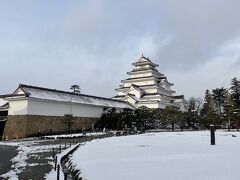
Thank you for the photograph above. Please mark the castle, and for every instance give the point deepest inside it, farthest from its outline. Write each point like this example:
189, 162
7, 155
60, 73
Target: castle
146, 86
31, 109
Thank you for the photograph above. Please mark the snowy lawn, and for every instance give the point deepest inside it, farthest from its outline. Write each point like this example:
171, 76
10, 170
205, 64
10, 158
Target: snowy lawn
76, 135
161, 156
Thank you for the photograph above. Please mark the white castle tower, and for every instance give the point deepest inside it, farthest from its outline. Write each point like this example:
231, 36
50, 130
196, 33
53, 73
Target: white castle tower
148, 87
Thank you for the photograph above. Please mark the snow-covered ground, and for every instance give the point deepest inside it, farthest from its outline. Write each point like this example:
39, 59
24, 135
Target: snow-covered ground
2, 102
166, 156
74, 135
33, 148
26, 149
52, 175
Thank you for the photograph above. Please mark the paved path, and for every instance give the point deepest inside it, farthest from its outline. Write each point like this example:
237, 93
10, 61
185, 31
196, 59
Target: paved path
6, 154
37, 162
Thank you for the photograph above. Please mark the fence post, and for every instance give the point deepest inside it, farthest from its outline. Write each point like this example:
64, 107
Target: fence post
212, 130
65, 176
58, 171
55, 167
53, 153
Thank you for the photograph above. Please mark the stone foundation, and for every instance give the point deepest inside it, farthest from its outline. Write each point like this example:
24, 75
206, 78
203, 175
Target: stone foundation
21, 126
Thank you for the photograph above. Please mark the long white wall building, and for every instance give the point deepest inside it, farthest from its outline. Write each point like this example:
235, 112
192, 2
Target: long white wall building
31, 109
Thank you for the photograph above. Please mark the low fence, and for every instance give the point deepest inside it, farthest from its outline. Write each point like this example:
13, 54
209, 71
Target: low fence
64, 164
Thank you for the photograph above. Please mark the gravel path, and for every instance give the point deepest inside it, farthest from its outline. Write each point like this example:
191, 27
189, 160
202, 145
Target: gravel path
7, 153
33, 157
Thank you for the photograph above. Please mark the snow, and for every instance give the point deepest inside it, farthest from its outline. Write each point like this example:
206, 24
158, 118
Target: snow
25, 149
165, 155
52, 175
2, 102
27, 146
74, 135
74, 98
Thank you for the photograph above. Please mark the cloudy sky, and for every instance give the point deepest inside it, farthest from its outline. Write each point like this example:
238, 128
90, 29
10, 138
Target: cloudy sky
92, 43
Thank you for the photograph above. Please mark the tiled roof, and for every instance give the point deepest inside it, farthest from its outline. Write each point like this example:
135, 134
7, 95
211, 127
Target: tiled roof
5, 95
59, 95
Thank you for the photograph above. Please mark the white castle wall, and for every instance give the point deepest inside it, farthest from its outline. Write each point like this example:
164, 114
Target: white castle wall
140, 75
18, 107
53, 108
140, 83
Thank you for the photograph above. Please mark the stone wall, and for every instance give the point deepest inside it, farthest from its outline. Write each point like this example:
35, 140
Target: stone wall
20, 126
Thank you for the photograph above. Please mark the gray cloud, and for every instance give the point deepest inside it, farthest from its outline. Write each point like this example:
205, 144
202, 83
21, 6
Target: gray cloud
196, 28
93, 43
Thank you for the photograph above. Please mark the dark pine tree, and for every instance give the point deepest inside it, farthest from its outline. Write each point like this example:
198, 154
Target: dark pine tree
219, 95
235, 91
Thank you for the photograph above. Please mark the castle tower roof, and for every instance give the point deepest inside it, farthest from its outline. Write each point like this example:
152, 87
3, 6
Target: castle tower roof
144, 61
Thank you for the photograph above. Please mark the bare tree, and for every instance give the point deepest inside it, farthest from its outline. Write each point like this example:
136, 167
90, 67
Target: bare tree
195, 104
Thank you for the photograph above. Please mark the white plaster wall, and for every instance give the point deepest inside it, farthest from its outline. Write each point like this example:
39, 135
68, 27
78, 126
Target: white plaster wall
143, 66
18, 107
53, 108
135, 92
151, 105
141, 75
130, 100
152, 98
120, 93
19, 91
126, 84
153, 90
139, 83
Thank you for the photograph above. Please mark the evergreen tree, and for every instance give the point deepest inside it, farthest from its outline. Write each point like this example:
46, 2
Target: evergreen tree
235, 91
126, 118
172, 116
192, 115
236, 118
159, 122
219, 97
144, 117
109, 119
228, 110
208, 114
207, 105
75, 88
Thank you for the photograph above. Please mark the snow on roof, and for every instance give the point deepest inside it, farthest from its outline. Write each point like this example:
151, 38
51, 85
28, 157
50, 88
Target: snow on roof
2, 102
144, 60
58, 95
